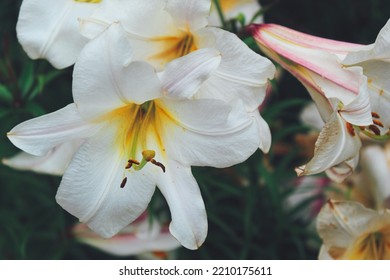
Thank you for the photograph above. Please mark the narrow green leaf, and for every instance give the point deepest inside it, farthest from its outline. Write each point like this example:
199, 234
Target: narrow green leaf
35, 109
5, 94
27, 78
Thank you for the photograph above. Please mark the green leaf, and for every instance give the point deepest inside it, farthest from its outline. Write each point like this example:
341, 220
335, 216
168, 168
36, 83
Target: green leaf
27, 78
43, 80
5, 94
35, 109
4, 112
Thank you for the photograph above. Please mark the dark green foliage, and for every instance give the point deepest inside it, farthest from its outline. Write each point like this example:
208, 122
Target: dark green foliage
246, 204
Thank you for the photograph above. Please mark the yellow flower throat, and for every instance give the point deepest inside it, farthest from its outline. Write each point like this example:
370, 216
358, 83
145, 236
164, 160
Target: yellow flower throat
138, 125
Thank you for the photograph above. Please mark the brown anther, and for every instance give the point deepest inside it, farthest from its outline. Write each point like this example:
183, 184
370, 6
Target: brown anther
375, 115
124, 181
350, 129
130, 163
362, 127
159, 164
378, 123
375, 129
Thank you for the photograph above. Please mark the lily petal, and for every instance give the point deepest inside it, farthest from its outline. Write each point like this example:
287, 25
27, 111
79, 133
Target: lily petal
310, 116
264, 132
135, 25
341, 171
48, 29
348, 230
189, 14
111, 81
54, 163
376, 168
378, 72
38, 136
183, 77
377, 51
336, 225
150, 39
358, 112
334, 145
91, 187
242, 73
210, 133
189, 219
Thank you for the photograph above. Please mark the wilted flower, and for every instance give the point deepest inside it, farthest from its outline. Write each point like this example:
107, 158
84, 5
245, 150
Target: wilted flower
351, 231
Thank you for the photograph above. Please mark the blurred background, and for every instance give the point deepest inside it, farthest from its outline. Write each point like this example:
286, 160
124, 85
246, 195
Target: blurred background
251, 207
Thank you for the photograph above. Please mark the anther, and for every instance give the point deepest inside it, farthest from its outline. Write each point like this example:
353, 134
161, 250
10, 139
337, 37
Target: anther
375, 115
130, 163
350, 129
375, 129
378, 123
124, 181
159, 164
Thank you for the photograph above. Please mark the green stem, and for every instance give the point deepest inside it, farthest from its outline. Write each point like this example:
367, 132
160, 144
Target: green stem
220, 13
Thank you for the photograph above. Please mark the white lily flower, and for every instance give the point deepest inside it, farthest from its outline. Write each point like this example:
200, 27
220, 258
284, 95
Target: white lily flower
375, 175
140, 133
375, 61
50, 29
54, 162
351, 231
233, 8
340, 93
139, 238
161, 31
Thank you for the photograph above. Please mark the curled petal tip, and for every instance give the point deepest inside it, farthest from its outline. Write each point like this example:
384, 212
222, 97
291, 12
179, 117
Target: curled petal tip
300, 170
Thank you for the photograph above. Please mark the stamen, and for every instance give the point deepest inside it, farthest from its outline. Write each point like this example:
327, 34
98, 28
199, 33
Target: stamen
375, 129
378, 123
159, 164
130, 163
375, 115
147, 156
350, 129
124, 181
